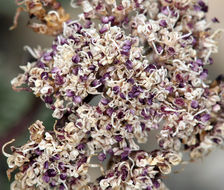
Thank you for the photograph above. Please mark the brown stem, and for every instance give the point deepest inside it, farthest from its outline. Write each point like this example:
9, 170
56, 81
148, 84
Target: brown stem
19, 127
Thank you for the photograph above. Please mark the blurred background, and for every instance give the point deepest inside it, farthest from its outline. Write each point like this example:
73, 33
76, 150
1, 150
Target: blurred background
19, 110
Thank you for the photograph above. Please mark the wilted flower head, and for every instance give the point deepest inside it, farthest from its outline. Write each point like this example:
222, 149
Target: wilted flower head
49, 13
48, 162
145, 62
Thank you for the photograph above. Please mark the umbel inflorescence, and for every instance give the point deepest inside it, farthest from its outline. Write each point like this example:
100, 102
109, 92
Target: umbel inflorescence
146, 60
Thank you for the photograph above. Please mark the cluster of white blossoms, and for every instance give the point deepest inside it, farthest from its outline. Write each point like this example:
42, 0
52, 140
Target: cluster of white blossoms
146, 61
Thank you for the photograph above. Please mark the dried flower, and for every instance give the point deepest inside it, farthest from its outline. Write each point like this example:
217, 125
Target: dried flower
146, 61
51, 20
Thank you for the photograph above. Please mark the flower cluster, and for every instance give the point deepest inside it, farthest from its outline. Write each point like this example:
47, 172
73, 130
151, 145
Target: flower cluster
146, 61
115, 12
141, 171
52, 161
45, 162
82, 62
